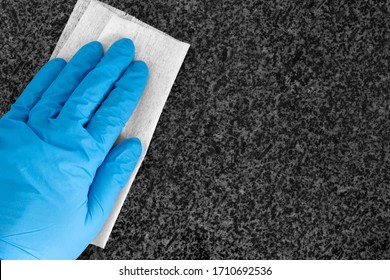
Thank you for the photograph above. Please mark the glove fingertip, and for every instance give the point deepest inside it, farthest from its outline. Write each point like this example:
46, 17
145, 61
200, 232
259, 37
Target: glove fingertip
132, 149
59, 62
94, 45
112, 177
124, 46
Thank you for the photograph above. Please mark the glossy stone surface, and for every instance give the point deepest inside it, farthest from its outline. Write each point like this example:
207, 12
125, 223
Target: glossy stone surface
274, 142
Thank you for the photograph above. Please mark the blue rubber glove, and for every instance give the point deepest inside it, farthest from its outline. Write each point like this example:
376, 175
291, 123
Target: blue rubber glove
59, 175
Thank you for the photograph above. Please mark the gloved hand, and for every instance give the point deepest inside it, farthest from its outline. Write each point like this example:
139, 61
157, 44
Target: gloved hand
59, 175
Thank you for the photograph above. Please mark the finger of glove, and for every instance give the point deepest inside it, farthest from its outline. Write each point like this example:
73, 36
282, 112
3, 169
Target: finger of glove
108, 121
110, 178
70, 77
98, 83
33, 92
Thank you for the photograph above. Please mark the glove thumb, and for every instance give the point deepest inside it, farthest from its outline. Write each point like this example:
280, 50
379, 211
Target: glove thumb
110, 178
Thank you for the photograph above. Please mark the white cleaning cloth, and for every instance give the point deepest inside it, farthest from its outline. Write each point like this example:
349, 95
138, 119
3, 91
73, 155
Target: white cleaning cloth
164, 55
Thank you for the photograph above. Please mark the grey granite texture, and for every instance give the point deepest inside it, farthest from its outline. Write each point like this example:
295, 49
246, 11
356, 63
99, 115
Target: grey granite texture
274, 142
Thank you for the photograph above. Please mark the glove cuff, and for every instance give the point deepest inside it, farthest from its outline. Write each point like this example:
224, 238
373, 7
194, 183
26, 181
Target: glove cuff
12, 252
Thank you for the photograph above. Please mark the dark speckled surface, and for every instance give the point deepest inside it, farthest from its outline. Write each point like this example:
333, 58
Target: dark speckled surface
274, 142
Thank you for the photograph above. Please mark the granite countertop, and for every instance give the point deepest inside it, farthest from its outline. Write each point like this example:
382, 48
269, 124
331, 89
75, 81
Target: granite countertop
274, 142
